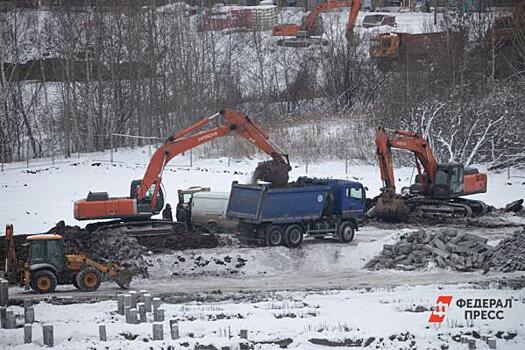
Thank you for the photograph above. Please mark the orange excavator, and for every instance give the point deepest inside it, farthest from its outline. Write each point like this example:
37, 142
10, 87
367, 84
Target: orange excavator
146, 196
312, 26
438, 189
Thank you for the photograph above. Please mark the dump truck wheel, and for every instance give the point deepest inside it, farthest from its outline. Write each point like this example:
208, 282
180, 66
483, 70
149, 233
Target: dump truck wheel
346, 232
274, 236
44, 281
89, 279
212, 227
293, 236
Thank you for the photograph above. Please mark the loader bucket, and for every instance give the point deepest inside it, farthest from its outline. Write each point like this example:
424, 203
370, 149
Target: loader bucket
273, 171
123, 279
391, 210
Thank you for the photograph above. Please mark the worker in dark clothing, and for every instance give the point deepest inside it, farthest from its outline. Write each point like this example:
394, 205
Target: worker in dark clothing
181, 213
167, 214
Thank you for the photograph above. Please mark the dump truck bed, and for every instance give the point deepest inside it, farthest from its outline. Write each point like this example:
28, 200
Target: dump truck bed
259, 203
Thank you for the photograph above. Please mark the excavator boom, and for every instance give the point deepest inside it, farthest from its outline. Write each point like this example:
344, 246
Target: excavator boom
146, 197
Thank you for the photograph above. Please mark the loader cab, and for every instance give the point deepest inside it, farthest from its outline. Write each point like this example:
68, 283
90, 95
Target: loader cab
45, 250
143, 206
449, 180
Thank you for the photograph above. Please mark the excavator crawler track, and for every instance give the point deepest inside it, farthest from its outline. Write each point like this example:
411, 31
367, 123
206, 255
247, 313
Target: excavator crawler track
145, 228
458, 207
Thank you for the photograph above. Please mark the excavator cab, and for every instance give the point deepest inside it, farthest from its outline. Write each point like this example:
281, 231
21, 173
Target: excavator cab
143, 205
449, 181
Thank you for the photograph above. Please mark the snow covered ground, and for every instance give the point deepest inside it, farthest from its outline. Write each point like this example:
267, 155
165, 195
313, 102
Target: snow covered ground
35, 199
383, 318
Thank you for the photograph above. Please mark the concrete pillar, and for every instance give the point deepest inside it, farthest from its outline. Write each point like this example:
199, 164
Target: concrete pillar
147, 302
244, 334
471, 343
127, 300
120, 304
4, 293
3, 316
29, 315
156, 303
142, 312
27, 304
47, 332
102, 332
174, 329
158, 315
158, 332
133, 316
134, 297
491, 342
10, 320
28, 332
127, 313
142, 292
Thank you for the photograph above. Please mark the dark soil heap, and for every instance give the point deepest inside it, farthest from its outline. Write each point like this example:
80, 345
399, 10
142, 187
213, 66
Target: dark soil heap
509, 254
124, 249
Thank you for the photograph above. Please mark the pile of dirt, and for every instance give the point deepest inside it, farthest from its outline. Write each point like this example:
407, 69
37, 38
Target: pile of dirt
509, 254
453, 249
127, 250
272, 171
123, 249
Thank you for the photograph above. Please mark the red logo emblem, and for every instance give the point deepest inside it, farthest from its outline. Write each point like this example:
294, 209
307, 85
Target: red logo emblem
442, 303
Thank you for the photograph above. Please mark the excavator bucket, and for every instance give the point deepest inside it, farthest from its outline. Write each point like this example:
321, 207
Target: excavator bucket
273, 171
392, 209
123, 278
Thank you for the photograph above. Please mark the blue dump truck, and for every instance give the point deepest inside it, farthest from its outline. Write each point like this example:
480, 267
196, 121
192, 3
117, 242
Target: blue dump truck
284, 215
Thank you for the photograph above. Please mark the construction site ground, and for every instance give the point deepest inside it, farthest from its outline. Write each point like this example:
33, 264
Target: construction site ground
317, 296
318, 265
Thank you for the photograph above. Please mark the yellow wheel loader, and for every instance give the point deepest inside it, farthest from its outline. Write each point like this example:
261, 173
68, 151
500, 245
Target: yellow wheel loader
47, 266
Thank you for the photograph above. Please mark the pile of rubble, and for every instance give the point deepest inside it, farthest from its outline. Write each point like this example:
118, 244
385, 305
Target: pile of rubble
509, 254
447, 249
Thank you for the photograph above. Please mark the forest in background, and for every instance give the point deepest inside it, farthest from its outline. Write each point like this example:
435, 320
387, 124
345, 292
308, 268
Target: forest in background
149, 72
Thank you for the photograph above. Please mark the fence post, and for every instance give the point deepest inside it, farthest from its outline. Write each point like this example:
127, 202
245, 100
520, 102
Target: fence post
27, 153
346, 166
191, 158
111, 148
508, 171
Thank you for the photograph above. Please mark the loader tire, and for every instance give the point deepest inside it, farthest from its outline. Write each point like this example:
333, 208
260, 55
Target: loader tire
44, 281
346, 232
293, 236
274, 236
89, 279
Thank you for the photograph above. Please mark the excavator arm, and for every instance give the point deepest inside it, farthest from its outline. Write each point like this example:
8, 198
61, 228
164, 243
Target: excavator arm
407, 140
186, 139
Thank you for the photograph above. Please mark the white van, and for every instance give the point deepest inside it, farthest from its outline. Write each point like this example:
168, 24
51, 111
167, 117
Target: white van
208, 210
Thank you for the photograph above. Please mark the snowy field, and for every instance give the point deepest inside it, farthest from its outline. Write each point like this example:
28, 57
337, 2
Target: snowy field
391, 318
35, 199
